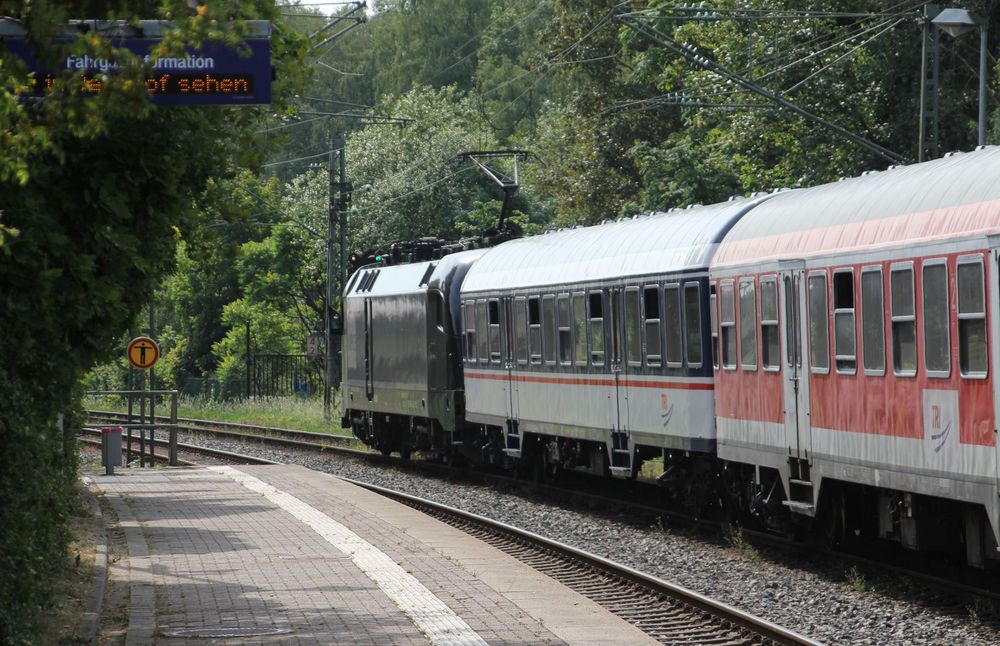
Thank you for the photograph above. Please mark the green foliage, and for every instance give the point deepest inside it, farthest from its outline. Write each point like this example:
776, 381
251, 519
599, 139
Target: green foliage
98, 189
407, 182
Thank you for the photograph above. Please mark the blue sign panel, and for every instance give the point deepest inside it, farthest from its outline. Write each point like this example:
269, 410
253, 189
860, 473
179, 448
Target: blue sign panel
211, 74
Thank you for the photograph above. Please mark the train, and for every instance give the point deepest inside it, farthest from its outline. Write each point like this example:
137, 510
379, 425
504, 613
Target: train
817, 358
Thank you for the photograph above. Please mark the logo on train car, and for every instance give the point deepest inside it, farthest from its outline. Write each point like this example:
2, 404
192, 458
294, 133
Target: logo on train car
940, 425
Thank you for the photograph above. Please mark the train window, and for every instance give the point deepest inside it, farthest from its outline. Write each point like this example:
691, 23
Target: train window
748, 325
580, 328
493, 315
819, 324
534, 330
692, 323
481, 326
872, 321
728, 325
845, 340
633, 327
672, 325
520, 331
470, 332
549, 329
713, 315
904, 322
651, 310
793, 349
596, 310
972, 355
770, 346
565, 336
934, 300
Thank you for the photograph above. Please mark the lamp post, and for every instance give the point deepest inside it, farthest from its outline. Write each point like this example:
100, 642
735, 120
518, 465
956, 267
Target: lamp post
957, 22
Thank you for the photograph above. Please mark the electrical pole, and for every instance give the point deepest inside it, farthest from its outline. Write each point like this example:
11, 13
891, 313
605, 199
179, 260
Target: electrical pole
336, 236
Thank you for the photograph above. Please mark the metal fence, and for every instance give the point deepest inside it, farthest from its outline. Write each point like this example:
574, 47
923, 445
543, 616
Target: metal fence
141, 408
284, 375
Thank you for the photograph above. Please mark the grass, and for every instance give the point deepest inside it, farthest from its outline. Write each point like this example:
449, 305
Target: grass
280, 412
733, 536
855, 579
60, 623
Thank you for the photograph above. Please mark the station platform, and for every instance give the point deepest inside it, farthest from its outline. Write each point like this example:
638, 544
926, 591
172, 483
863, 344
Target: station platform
283, 554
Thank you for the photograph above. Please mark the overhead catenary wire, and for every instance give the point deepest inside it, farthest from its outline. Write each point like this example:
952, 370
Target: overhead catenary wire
298, 159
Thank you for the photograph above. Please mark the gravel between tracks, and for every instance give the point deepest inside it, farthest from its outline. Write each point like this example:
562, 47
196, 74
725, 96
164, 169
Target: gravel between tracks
818, 599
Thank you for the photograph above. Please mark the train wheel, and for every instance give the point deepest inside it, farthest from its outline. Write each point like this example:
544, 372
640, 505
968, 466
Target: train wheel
406, 452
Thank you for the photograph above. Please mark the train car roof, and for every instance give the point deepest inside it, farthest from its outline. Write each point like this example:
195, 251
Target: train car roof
671, 241
953, 197
391, 280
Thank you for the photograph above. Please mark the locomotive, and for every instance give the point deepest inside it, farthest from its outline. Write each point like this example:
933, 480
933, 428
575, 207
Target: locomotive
817, 357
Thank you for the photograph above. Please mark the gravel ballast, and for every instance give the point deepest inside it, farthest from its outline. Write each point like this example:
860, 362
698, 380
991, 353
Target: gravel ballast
824, 601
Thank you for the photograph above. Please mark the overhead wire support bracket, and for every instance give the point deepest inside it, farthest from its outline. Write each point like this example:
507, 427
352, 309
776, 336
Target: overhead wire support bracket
355, 20
509, 185
694, 56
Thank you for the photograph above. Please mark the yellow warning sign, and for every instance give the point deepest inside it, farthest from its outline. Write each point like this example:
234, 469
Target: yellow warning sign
142, 352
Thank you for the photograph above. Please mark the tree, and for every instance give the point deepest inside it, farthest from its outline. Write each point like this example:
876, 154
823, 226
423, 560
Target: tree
98, 188
407, 183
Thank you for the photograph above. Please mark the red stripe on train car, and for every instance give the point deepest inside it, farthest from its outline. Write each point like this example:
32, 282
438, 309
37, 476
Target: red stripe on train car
585, 381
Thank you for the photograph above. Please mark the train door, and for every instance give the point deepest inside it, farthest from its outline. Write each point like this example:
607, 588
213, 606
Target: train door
620, 449
513, 335
369, 351
795, 361
989, 304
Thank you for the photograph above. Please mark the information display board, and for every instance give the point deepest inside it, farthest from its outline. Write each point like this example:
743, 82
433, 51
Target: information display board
214, 73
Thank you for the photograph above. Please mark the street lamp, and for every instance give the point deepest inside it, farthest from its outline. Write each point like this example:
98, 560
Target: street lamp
957, 22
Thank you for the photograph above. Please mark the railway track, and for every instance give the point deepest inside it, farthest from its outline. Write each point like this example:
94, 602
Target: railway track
91, 437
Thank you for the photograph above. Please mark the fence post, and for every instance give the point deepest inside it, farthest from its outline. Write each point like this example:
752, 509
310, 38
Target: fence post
173, 429
249, 360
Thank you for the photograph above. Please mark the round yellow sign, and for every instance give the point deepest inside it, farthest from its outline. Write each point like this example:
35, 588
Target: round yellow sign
142, 352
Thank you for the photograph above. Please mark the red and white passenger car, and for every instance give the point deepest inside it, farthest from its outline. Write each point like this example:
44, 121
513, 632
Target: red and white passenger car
855, 326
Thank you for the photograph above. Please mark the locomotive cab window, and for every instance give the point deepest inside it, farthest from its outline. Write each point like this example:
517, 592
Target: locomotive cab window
727, 322
672, 323
651, 310
520, 331
633, 327
534, 330
713, 316
580, 328
845, 351
493, 315
549, 329
770, 347
481, 325
872, 321
565, 336
595, 307
748, 325
972, 351
692, 324
934, 301
470, 332
904, 321
819, 324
